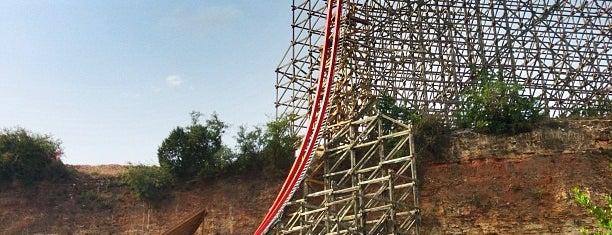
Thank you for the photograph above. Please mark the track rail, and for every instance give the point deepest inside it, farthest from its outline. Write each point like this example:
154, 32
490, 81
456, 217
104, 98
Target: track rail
317, 118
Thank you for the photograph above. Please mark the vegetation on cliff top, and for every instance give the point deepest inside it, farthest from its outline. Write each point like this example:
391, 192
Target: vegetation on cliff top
29, 157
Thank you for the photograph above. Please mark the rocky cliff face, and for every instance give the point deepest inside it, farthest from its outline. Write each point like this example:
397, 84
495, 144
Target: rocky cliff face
518, 184
486, 185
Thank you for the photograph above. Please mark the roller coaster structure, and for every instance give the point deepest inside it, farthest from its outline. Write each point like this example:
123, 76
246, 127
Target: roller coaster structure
355, 170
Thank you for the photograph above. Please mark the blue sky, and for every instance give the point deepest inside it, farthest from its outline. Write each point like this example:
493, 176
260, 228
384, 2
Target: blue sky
111, 79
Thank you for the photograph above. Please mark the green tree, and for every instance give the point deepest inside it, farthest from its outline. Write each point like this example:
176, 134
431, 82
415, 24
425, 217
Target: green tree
603, 214
194, 150
249, 147
279, 145
496, 107
29, 157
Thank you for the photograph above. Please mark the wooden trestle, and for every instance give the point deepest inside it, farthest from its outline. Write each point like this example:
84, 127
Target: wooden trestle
423, 54
362, 181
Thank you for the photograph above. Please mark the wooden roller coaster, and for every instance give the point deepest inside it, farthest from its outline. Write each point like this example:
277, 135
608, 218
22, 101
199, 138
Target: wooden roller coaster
355, 170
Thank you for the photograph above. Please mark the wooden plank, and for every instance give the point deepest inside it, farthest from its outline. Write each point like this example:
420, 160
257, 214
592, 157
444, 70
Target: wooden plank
188, 226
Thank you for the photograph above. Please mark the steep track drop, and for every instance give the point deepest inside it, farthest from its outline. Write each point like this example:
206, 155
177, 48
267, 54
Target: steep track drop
318, 116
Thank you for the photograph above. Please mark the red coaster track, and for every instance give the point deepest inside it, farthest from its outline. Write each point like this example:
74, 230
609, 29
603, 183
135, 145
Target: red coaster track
318, 116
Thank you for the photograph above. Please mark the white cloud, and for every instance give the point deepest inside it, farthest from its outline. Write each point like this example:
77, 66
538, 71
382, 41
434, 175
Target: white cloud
174, 80
201, 19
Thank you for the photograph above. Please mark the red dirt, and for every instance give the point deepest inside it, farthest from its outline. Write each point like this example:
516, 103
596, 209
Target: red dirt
232, 203
489, 185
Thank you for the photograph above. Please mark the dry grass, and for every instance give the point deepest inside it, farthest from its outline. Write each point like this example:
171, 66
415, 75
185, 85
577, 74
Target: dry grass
104, 170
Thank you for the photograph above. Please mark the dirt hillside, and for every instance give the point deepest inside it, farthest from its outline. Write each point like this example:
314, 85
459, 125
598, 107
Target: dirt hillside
519, 184
95, 203
486, 185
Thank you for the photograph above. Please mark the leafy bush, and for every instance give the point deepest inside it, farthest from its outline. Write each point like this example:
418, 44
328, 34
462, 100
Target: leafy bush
431, 134
194, 150
603, 214
29, 157
387, 105
601, 106
496, 107
431, 137
270, 150
147, 182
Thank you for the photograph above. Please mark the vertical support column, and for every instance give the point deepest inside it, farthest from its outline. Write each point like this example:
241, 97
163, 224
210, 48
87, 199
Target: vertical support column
328, 184
392, 202
362, 214
415, 193
355, 179
303, 218
329, 221
381, 145
304, 206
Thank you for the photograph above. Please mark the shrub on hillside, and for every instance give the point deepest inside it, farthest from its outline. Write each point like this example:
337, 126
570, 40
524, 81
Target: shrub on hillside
431, 134
92, 200
600, 106
194, 150
602, 214
388, 106
431, 137
147, 182
29, 157
496, 107
270, 150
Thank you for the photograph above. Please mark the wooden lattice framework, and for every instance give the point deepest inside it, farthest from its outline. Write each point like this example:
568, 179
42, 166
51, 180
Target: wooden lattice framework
363, 181
423, 53
426, 52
